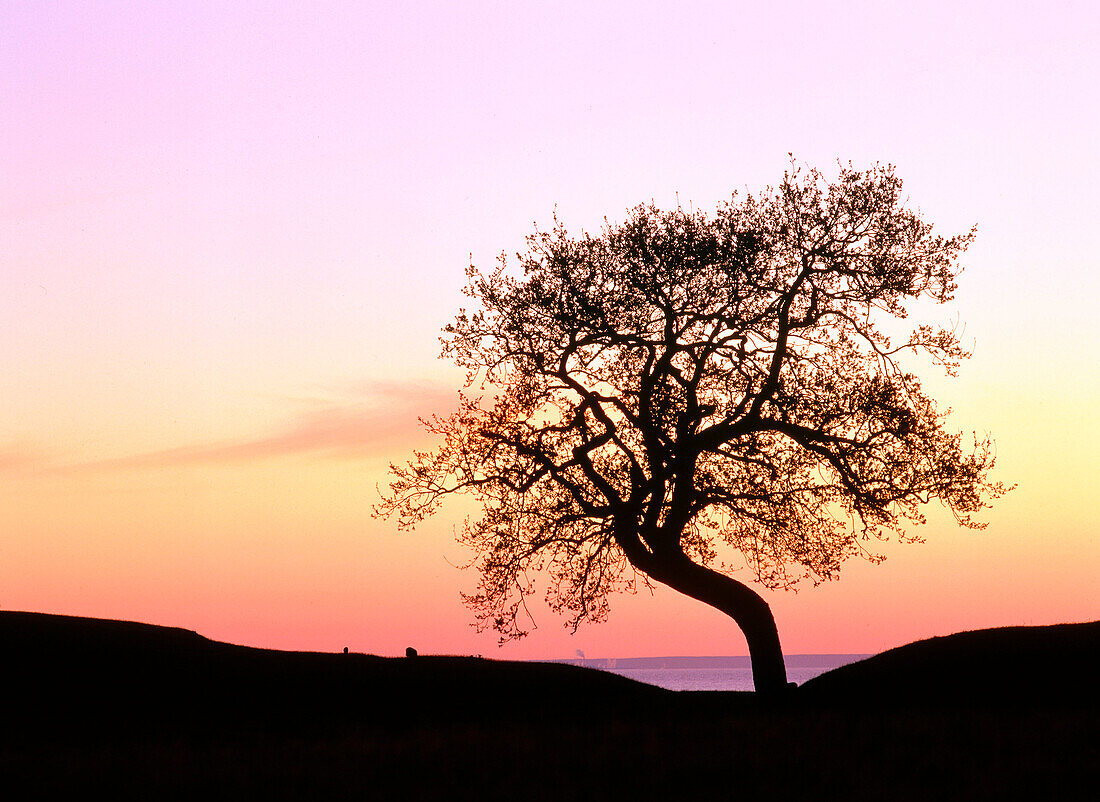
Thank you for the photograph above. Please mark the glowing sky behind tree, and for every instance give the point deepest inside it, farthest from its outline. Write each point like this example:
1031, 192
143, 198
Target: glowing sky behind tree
230, 234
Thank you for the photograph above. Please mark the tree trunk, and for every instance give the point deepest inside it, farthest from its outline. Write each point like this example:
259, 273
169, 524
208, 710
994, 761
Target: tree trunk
742, 604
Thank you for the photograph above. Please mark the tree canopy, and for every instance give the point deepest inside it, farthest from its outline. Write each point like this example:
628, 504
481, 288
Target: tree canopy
645, 402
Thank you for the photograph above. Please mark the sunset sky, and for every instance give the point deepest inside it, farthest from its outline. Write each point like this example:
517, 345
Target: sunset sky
231, 233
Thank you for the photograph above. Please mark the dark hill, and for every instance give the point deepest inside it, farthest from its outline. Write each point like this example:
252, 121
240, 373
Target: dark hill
64, 676
133, 711
1005, 666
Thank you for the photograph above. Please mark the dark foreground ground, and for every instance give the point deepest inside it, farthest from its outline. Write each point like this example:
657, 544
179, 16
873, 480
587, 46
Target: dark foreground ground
147, 712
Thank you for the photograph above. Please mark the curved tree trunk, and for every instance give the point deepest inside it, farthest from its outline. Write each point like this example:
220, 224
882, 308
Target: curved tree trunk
742, 604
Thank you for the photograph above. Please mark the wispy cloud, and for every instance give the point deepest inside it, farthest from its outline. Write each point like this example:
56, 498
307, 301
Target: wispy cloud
20, 458
340, 428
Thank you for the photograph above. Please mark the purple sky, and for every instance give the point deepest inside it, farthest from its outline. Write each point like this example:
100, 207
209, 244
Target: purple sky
230, 234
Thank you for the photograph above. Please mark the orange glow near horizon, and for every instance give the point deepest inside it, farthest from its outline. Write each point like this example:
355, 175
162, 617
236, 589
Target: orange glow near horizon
228, 242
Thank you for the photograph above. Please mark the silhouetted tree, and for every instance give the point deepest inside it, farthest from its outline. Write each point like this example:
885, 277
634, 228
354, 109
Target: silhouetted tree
681, 383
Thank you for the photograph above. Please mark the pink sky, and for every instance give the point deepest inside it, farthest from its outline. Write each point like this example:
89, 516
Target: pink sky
230, 234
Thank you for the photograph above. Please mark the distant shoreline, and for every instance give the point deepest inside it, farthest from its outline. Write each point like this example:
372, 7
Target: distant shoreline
704, 662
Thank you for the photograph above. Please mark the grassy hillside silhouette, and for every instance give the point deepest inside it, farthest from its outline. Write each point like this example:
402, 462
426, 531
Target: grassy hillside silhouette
142, 711
1050, 665
121, 678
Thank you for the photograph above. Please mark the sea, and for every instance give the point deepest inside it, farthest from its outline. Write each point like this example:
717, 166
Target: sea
711, 673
